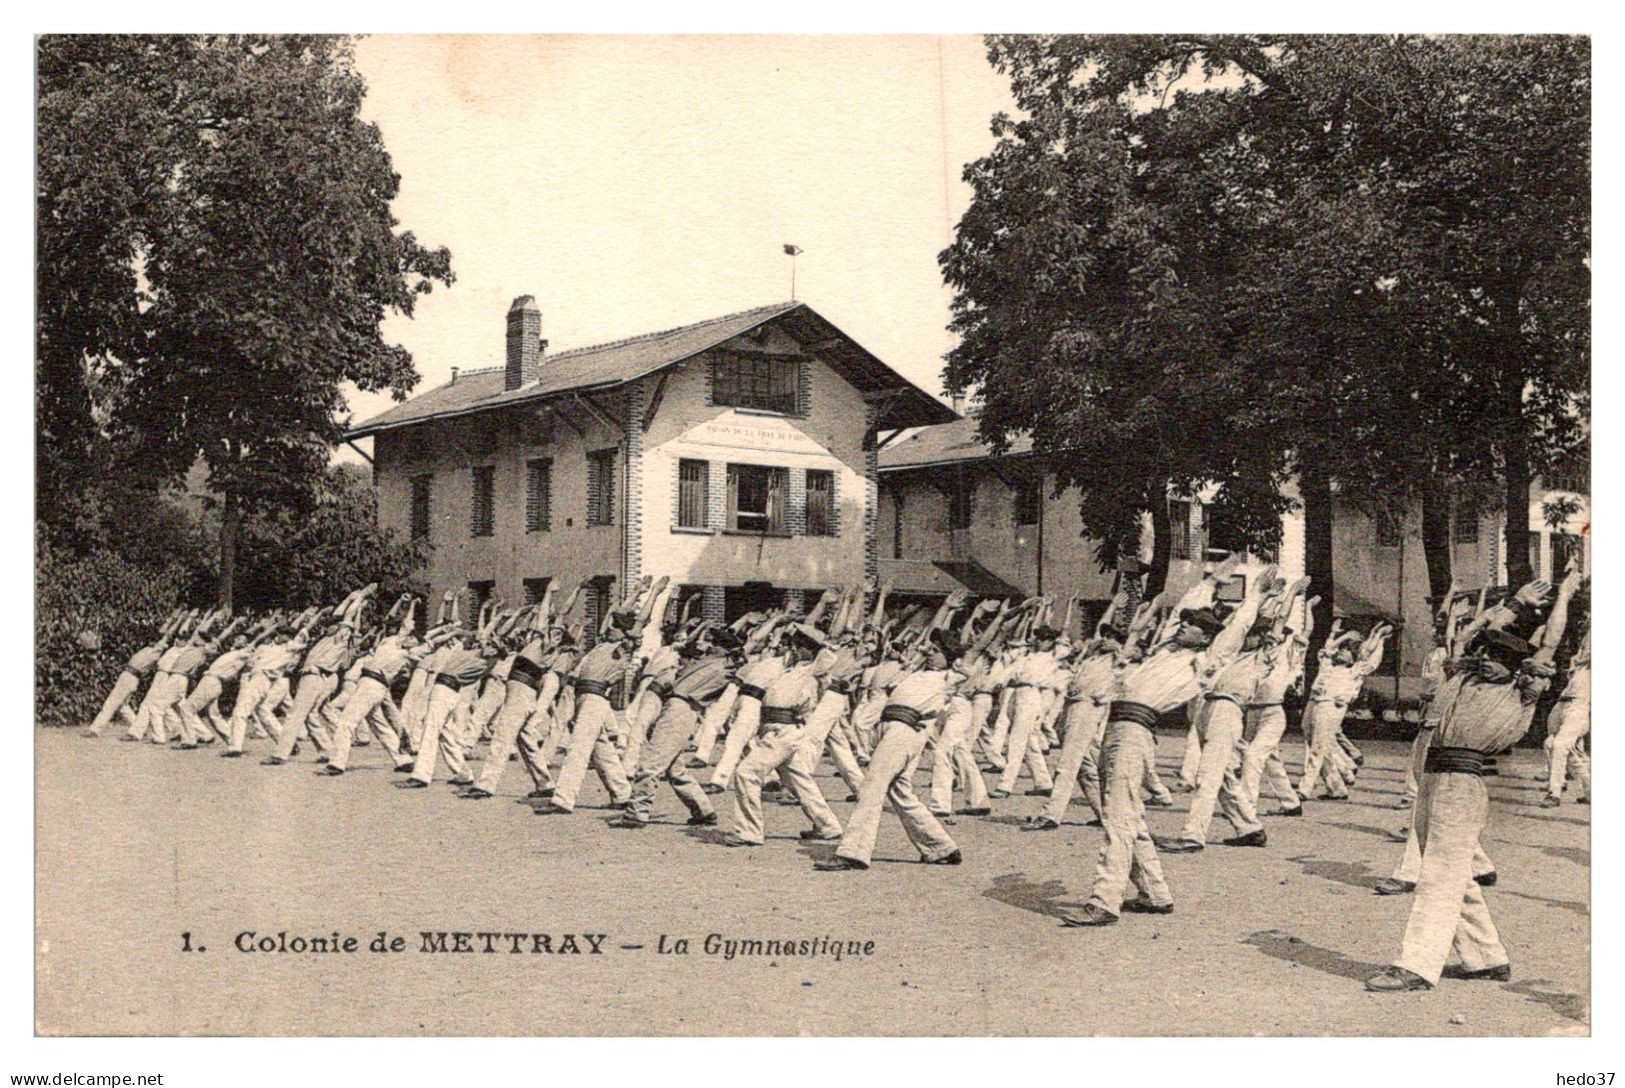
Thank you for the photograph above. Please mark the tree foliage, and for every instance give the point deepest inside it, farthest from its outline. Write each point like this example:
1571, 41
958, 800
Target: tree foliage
217, 253
1239, 258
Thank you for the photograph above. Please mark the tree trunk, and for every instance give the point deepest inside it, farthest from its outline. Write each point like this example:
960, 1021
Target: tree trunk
1316, 488
1515, 454
228, 547
1162, 545
1436, 547
1515, 438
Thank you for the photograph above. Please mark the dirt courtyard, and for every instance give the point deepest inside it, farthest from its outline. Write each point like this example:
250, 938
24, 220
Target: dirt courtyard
143, 853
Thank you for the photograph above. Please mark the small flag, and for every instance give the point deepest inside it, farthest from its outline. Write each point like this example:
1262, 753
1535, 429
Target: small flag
792, 251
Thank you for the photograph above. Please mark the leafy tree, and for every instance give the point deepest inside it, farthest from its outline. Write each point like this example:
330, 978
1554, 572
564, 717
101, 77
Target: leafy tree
254, 258
1306, 235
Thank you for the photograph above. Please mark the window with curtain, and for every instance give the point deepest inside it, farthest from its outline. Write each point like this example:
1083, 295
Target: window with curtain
756, 495
1566, 546
820, 502
761, 383
539, 496
693, 493
482, 510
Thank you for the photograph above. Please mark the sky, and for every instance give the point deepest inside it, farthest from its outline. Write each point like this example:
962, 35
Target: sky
633, 184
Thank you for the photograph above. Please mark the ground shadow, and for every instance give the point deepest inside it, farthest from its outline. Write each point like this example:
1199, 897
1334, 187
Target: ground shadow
1355, 874
1015, 890
1380, 832
1568, 1006
1571, 905
1284, 946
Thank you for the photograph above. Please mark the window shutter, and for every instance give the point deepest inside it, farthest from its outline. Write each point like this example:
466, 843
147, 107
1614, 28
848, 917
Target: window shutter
733, 498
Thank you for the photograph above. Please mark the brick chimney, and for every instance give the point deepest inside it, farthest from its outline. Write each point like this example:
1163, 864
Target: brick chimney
525, 343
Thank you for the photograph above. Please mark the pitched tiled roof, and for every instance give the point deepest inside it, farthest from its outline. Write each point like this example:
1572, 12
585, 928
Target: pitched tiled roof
620, 361
944, 444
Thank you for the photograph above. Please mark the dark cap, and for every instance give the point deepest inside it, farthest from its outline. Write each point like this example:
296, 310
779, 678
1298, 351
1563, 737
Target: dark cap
1205, 618
1045, 634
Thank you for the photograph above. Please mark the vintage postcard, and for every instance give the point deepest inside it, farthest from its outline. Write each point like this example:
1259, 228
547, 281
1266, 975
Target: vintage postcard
813, 535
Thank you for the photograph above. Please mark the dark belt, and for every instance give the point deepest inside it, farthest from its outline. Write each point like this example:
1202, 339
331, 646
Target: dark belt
447, 680
896, 712
841, 687
527, 672
592, 687
1446, 760
659, 690
1138, 713
374, 674
1260, 706
751, 691
1214, 697
699, 707
781, 715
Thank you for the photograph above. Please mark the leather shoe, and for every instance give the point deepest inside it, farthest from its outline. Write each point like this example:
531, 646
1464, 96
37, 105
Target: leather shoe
1177, 846
404, 768
1142, 905
708, 820
1252, 838
1503, 973
713, 789
1040, 823
812, 834
548, 808
1159, 802
1487, 880
1550, 802
1038, 792
330, 771
474, 793
411, 784
838, 864
952, 859
1397, 980
272, 761
730, 839
998, 795
976, 810
1296, 810
628, 822
1389, 886
1090, 915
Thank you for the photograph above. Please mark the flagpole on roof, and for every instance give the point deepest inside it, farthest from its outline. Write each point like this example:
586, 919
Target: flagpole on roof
793, 252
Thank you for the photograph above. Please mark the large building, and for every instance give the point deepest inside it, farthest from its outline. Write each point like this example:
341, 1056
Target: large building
736, 456
953, 513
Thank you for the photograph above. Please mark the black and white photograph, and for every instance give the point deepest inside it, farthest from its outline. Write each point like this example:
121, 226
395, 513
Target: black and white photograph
895, 535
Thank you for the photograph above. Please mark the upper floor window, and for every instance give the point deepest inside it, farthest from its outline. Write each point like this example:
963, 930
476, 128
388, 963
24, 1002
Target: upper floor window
820, 502
1027, 502
1466, 528
1389, 529
756, 496
961, 502
601, 487
1184, 529
693, 493
420, 506
482, 510
762, 383
539, 496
